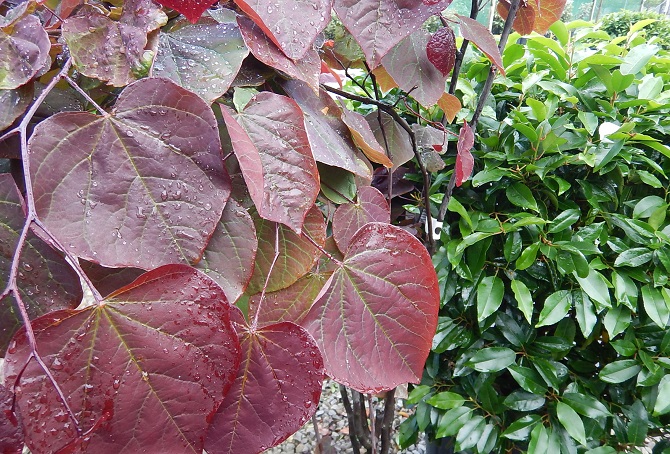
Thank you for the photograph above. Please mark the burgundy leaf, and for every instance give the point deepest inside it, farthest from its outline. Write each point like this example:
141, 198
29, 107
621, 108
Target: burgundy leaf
297, 255
11, 429
24, 52
464, 160
305, 69
371, 206
441, 50
409, 64
329, 137
144, 371
230, 254
192, 9
374, 325
13, 103
203, 57
292, 25
290, 304
397, 139
108, 280
142, 187
271, 145
45, 280
378, 25
364, 138
428, 137
277, 389
525, 16
143, 14
482, 38
112, 51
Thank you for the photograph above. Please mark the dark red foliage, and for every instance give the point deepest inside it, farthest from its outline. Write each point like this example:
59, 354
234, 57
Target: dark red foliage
441, 50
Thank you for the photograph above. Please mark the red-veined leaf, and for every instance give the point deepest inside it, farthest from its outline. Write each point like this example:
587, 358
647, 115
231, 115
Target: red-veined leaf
191, 9
364, 138
482, 38
230, 253
548, 12
374, 324
108, 280
290, 304
203, 57
464, 159
142, 187
441, 50
45, 280
11, 429
24, 52
271, 145
112, 51
144, 371
450, 105
13, 103
277, 389
525, 16
306, 68
370, 206
392, 135
292, 25
67, 7
408, 63
378, 25
329, 137
297, 255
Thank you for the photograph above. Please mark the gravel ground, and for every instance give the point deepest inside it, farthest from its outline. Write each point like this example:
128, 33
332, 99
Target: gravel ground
332, 421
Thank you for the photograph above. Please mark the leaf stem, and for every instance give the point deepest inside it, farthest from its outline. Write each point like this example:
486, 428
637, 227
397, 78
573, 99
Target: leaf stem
86, 96
254, 323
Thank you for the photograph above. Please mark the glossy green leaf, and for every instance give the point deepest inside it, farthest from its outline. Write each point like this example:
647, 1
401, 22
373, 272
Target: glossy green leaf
585, 312
634, 257
528, 379
527, 257
451, 422
524, 401
571, 421
556, 306
662, 405
492, 359
446, 400
564, 220
519, 195
489, 296
470, 433
617, 320
524, 299
596, 286
620, 371
586, 405
520, 429
655, 305
637, 58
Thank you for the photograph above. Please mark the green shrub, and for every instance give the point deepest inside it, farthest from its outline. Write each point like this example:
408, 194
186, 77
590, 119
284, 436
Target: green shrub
554, 259
619, 24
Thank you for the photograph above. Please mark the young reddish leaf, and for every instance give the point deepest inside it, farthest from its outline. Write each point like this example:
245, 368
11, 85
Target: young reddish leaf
306, 68
374, 324
481, 36
384, 79
271, 145
112, 51
144, 371
410, 66
67, 7
46, 281
464, 160
203, 57
292, 25
230, 253
441, 50
378, 25
13, 103
328, 136
11, 429
24, 52
141, 187
364, 138
547, 12
277, 389
450, 105
290, 304
191, 9
525, 16
297, 255
371, 206
397, 139
108, 280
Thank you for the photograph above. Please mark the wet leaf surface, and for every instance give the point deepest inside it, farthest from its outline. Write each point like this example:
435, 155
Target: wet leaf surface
13, 103
297, 255
375, 323
11, 429
45, 280
24, 53
292, 25
271, 145
370, 206
108, 280
378, 25
441, 50
277, 389
121, 364
364, 138
230, 253
397, 139
191, 9
203, 57
142, 187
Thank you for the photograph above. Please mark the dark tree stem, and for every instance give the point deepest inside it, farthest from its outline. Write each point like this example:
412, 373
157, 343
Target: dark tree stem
355, 444
387, 421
